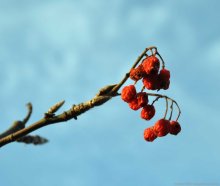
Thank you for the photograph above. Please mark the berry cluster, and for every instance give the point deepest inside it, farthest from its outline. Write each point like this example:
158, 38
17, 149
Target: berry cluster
153, 79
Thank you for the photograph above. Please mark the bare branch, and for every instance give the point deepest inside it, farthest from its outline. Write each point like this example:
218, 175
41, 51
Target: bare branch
73, 112
18, 125
18, 132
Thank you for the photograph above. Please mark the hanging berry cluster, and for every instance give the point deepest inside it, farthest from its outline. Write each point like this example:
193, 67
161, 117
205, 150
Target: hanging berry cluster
153, 78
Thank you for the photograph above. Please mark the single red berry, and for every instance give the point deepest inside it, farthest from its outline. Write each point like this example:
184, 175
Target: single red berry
133, 104
137, 73
164, 79
163, 84
151, 65
142, 98
166, 85
164, 74
128, 93
148, 112
161, 127
151, 82
175, 127
149, 134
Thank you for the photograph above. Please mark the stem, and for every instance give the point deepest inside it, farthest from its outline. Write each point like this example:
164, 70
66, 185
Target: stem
166, 108
156, 99
142, 88
163, 63
171, 112
179, 111
153, 52
168, 98
144, 53
118, 86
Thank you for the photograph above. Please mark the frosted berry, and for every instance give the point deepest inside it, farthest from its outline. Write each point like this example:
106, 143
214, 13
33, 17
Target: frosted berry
151, 82
149, 134
151, 65
137, 73
148, 112
161, 127
175, 127
164, 79
142, 98
133, 104
128, 93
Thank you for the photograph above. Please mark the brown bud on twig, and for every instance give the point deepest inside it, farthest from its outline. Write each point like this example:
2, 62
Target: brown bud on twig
106, 90
53, 109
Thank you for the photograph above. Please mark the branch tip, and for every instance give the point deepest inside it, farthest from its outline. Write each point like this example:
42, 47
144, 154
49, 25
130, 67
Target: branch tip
51, 111
30, 109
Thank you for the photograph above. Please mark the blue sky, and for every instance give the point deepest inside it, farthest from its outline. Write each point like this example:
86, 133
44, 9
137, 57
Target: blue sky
55, 50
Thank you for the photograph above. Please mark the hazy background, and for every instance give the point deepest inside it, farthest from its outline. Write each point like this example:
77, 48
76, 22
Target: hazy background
52, 50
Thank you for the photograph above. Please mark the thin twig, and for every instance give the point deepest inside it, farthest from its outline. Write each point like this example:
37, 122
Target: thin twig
168, 98
156, 99
142, 88
171, 112
30, 109
166, 108
73, 112
163, 63
18, 125
118, 86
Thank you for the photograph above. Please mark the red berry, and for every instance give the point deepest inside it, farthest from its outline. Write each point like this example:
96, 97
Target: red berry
137, 73
142, 98
164, 79
151, 82
148, 112
133, 104
166, 85
164, 74
163, 84
175, 127
128, 93
149, 134
151, 65
161, 127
